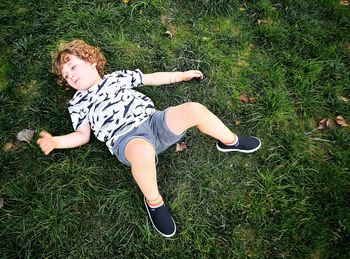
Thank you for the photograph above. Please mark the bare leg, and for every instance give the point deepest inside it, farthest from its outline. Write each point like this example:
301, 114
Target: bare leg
141, 155
187, 115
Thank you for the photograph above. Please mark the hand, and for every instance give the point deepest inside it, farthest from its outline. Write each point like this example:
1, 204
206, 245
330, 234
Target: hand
46, 142
190, 74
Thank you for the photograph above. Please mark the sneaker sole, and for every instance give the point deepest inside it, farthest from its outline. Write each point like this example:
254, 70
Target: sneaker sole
149, 215
238, 150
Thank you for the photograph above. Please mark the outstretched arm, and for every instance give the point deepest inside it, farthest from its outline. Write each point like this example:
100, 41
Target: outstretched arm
164, 78
47, 142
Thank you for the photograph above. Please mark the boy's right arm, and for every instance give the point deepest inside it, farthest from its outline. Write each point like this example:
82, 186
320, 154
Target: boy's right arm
47, 142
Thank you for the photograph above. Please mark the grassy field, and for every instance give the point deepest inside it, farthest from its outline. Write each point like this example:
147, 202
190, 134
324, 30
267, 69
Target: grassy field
288, 200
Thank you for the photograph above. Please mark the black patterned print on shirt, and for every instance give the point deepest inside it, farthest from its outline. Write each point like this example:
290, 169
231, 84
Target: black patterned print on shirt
112, 107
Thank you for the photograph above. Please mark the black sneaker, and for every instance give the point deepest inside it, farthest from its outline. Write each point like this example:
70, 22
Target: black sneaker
161, 220
245, 144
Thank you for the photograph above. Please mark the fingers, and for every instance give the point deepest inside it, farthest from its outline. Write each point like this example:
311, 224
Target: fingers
45, 142
46, 148
44, 133
194, 74
197, 74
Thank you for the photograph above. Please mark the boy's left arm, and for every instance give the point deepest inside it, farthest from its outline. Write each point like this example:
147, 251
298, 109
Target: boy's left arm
165, 78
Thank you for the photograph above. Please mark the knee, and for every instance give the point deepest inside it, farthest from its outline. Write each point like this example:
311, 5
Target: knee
195, 109
139, 152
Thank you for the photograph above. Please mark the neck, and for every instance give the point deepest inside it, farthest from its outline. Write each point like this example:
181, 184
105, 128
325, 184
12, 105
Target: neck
98, 80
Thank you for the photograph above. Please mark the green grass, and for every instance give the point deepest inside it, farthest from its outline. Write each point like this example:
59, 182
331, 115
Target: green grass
288, 200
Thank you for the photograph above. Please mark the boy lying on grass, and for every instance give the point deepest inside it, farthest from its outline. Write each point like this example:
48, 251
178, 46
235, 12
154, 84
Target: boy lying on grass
127, 121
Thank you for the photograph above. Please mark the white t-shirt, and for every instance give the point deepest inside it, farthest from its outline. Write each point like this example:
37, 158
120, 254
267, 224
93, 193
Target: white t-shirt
111, 107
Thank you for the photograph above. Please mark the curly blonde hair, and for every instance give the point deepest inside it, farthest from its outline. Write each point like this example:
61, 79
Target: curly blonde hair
80, 49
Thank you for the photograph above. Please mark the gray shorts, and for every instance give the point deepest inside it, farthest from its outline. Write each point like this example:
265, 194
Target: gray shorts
154, 130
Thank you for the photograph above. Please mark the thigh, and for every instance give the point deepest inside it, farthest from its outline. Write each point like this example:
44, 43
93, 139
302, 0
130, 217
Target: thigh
140, 152
141, 132
184, 116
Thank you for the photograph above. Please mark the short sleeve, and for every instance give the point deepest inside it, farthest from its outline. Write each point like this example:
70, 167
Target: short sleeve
78, 114
128, 78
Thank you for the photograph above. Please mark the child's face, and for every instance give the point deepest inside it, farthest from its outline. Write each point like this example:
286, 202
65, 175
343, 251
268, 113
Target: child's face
80, 74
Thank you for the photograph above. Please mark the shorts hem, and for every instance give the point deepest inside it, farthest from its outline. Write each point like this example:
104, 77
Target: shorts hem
124, 160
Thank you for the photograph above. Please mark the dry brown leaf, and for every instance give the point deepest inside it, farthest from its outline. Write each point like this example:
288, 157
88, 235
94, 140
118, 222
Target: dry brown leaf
324, 124
1, 203
344, 2
252, 100
237, 122
247, 99
341, 121
244, 98
7, 147
125, 1
25, 135
180, 146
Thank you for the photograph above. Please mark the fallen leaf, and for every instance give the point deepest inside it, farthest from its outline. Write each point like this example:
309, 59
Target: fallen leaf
341, 121
344, 99
242, 9
180, 146
252, 100
247, 99
125, 1
344, 2
168, 33
244, 98
324, 123
7, 147
25, 135
263, 21
1, 203
237, 122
